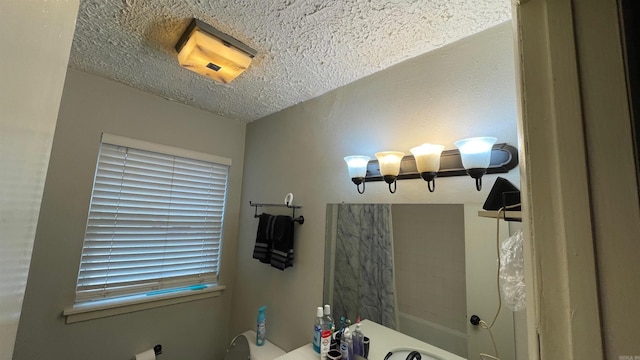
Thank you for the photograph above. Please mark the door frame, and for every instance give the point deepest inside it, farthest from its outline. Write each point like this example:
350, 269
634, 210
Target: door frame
570, 78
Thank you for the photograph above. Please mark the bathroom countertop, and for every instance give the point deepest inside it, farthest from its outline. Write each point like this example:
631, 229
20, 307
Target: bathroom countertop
305, 352
382, 339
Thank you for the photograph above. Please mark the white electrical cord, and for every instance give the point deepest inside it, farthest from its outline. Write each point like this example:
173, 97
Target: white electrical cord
483, 324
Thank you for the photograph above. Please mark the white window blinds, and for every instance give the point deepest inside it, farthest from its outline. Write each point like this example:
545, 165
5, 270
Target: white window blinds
155, 220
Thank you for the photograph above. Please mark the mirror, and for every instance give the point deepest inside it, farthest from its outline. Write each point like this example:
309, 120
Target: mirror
421, 269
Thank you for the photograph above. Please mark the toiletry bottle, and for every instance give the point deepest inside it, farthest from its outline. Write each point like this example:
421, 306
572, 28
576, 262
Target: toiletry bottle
346, 345
358, 340
261, 330
317, 329
344, 350
328, 320
325, 343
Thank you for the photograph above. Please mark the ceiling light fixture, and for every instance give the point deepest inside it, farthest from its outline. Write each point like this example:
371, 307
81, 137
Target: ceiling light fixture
209, 52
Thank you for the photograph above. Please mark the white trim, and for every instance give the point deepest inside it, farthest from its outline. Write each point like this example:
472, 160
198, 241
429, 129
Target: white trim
612, 173
95, 310
164, 149
560, 257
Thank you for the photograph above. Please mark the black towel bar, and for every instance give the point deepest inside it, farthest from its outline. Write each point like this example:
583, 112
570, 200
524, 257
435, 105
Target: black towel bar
299, 219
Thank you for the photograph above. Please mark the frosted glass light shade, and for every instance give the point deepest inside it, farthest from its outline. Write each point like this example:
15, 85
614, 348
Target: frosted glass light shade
209, 52
427, 157
389, 162
476, 152
357, 165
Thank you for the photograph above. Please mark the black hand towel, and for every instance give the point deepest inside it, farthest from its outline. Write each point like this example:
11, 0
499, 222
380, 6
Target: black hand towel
282, 250
264, 243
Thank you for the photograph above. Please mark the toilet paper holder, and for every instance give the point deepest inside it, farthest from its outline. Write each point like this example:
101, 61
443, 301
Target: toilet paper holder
157, 349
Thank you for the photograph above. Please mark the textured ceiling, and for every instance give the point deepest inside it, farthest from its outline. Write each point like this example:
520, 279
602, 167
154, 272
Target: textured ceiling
305, 47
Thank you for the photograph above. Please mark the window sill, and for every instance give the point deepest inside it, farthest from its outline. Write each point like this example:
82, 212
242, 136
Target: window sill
96, 310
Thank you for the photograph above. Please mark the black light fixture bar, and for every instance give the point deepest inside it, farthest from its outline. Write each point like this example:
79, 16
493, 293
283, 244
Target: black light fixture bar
504, 157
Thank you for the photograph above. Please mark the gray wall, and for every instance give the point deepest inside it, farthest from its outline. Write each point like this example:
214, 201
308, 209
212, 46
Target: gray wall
430, 278
428, 250
193, 330
462, 90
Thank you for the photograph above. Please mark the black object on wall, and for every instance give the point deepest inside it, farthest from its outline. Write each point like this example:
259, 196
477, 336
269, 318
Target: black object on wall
503, 194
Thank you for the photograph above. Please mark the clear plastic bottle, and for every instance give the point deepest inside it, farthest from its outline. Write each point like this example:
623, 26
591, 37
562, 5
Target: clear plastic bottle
346, 345
317, 329
328, 320
358, 340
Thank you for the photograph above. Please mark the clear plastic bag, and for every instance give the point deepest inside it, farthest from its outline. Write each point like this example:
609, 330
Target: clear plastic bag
511, 272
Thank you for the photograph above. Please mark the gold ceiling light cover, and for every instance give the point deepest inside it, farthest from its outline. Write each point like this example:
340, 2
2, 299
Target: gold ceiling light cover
211, 53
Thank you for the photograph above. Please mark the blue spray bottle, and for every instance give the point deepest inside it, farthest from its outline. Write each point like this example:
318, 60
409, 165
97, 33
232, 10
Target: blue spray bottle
261, 330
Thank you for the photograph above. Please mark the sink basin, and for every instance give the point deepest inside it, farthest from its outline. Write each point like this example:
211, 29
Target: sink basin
403, 354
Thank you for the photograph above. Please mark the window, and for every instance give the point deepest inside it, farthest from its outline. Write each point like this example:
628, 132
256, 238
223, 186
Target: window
155, 221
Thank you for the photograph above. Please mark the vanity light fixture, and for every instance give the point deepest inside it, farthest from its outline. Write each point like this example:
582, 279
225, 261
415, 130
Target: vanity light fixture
390, 167
209, 52
476, 156
428, 162
357, 169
